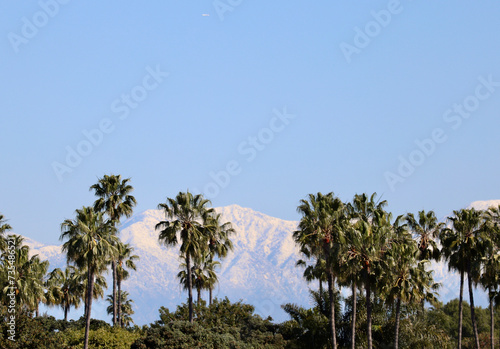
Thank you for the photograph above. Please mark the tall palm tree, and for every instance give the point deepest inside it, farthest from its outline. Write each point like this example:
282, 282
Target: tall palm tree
367, 243
463, 246
114, 200
490, 276
350, 270
90, 243
126, 260
186, 216
404, 277
362, 208
490, 280
426, 229
320, 234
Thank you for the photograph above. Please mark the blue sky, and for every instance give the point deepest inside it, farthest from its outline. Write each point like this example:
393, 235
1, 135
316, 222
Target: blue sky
257, 104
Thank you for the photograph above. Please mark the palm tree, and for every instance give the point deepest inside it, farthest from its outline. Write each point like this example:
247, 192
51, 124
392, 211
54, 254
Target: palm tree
65, 289
187, 214
4, 227
90, 244
367, 243
211, 279
426, 229
126, 260
115, 200
463, 246
203, 275
218, 236
125, 308
36, 273
490, 280
29, 276
198, 278
454, 253
404, 277
320, 235
363, 209
316, 271
490, 277
100, 284
350, 270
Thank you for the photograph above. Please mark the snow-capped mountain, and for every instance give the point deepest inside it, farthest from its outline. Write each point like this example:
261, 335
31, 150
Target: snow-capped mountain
260, 270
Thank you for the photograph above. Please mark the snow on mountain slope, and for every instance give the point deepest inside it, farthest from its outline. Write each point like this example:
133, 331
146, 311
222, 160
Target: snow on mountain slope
52, 253
260, 271
484, 205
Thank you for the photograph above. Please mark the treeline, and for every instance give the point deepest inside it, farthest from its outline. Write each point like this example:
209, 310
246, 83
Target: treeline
358, 244
383, 260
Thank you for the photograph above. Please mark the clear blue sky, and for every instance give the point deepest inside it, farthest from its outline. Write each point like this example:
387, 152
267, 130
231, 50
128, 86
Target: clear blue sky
364, 80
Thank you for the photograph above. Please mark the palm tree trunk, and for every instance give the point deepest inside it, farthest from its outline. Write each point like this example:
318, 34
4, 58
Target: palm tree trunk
119, 305
66, 308
198, 289
492, 321
353, 322
320, 288
90, 290
86, 305
332, 309
190, 288
113, 266
210, 296
472, 311
368, 310
460, 309
396, 330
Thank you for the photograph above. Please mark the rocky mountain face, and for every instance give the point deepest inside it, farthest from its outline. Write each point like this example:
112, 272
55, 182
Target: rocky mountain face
260, 270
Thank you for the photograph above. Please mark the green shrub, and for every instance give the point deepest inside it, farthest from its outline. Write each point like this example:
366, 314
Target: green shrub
221, 325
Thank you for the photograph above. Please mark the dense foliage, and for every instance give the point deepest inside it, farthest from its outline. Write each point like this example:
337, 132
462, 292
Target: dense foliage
220, 325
